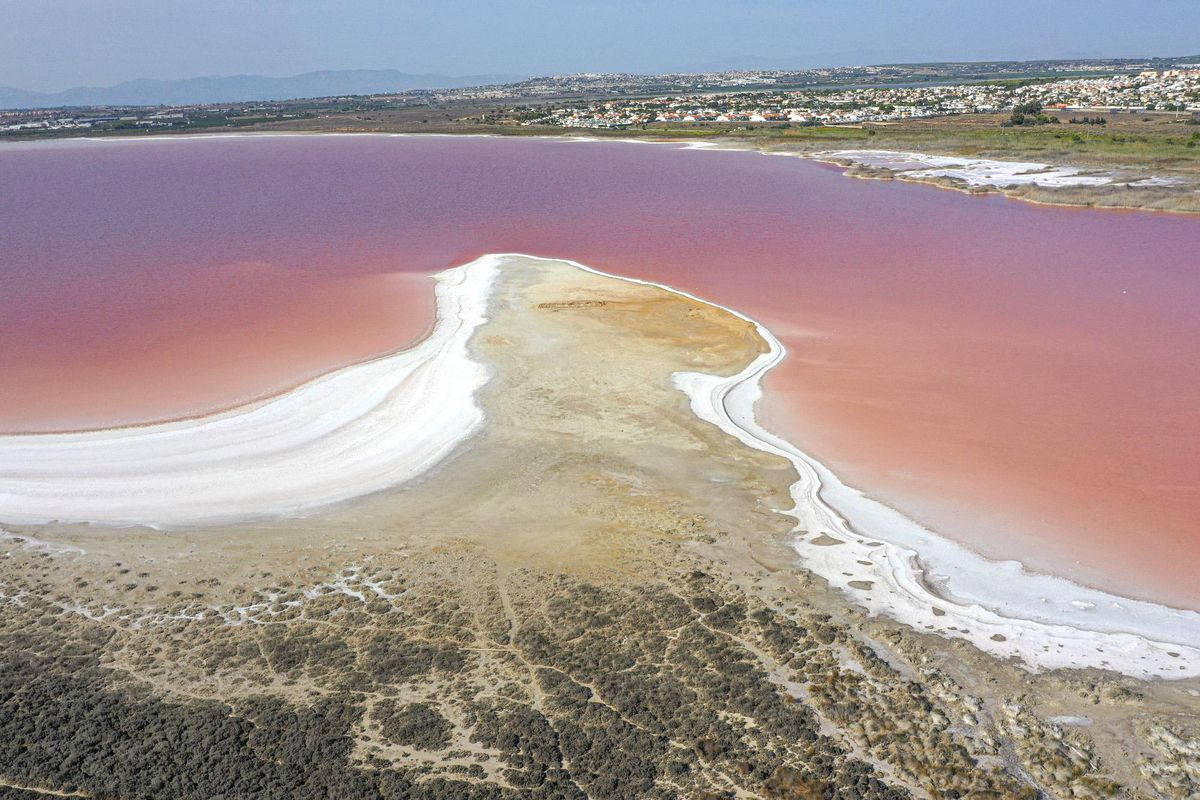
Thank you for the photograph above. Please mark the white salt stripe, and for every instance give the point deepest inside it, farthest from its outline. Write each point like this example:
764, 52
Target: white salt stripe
349, 433
934, 584
31, 543
914, 571
986, 172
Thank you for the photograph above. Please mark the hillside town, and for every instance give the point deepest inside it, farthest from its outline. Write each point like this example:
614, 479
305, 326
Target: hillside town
1172, 90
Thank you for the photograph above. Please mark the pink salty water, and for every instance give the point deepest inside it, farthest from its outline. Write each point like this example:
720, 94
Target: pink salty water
1025, 379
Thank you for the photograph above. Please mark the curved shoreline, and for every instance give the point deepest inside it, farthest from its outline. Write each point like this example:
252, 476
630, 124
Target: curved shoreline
350, 432
851, 167
934, 584
246, 403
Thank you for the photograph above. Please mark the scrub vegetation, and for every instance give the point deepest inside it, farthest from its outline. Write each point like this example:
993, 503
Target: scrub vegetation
530, 685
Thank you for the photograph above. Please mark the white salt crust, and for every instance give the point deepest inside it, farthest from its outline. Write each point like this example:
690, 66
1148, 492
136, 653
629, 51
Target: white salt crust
346, 434
979, 172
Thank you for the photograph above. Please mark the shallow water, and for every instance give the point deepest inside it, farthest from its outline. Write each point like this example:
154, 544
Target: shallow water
1022, 378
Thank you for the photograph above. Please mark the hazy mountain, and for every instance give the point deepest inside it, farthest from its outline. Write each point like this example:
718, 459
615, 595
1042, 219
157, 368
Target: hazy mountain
237, 88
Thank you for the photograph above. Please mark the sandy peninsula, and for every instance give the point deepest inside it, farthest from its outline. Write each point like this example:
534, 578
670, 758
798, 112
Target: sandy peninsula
596, 595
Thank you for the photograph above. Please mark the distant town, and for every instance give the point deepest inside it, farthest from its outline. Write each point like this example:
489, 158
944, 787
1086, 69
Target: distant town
838, 96
1172, 90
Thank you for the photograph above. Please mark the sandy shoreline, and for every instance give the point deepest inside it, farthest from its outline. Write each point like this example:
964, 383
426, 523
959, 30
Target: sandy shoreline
1038, 183
975, 173
932, 583
293, 455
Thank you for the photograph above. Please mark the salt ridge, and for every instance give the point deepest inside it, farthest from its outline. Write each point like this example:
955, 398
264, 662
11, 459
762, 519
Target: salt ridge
929, 582
351, 432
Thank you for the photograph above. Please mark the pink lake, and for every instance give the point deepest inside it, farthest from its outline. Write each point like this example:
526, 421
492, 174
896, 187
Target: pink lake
1022, 378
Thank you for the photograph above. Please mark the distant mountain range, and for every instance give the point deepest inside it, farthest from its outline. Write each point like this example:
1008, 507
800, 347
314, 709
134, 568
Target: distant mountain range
242, 88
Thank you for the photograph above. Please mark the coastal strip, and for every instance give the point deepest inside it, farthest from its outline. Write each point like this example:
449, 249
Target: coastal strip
354, 431
376, 425
1125, 188
893, 566
987, 173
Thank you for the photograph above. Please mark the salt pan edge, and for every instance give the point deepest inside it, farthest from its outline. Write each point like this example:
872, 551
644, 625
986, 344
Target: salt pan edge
348, 433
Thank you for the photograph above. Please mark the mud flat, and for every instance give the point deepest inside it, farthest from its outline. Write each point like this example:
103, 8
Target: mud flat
1132, 187
597, 597
1054, 184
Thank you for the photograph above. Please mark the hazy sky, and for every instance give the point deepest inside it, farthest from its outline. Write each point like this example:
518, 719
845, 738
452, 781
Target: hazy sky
54, 44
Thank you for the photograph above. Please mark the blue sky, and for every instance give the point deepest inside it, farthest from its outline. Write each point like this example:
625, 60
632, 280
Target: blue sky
53, 44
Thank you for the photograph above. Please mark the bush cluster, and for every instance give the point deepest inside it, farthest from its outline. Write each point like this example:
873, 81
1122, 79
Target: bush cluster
417, 725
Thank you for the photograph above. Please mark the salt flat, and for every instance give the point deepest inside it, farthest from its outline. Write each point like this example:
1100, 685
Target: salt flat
354, 431
981, 172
